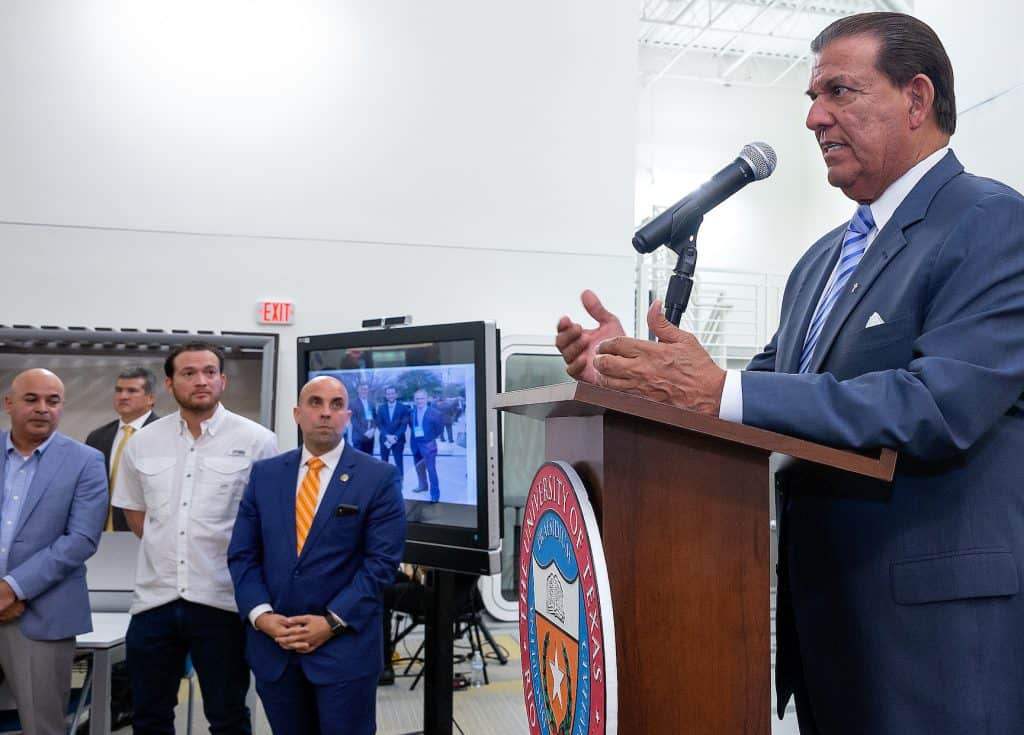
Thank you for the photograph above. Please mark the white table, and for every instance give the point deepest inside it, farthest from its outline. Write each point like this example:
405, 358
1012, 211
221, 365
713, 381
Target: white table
106, 646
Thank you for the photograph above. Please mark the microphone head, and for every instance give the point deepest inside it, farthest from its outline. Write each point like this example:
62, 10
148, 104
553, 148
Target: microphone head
761, 158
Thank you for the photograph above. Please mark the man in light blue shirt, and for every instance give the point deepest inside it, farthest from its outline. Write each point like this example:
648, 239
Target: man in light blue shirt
54, 503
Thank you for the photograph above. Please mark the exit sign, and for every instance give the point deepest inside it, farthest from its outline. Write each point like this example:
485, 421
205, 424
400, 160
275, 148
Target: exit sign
276, 312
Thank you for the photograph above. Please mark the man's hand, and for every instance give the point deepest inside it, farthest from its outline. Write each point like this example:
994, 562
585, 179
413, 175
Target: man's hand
305, 633
578, 345
272, 624
12, 612
675, 370
7, 596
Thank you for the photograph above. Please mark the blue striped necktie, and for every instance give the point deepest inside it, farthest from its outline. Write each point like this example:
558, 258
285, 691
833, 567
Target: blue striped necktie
855, 243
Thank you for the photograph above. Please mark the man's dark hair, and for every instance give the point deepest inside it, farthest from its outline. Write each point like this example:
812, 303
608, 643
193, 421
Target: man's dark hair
137, 371
908, 47
192, 347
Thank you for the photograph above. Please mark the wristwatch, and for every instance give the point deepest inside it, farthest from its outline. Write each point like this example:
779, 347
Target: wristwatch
335, 623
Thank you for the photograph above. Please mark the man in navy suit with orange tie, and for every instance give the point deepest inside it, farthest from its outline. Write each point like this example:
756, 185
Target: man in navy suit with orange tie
319, 534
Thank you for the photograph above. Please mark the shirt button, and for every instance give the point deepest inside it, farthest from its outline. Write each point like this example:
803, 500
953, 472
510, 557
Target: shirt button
182, 561
181, 533
188, 475
185, 503
182, 589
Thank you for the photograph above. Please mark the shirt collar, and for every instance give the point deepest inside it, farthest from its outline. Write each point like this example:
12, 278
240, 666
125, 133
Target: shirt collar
136, 424
883, 208
9, 445
330, 459
210, 426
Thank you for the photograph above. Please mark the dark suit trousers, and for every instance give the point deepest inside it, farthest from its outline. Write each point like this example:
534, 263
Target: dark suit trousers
395, 451
157, 643
424, 454
296, 706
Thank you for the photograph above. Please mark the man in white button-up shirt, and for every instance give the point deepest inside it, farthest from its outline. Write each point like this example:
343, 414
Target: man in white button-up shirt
179, 483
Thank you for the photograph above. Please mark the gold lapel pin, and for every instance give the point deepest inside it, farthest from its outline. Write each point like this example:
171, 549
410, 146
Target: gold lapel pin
344, 477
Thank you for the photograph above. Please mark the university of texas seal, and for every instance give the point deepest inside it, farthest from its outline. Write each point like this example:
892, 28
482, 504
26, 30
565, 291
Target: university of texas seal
566, 631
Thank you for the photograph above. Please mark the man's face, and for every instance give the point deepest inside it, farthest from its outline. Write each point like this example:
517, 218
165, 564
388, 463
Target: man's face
131, 399
198, 383
420, 398
364, 391
322, 413
35, 404
390, 394
860, 119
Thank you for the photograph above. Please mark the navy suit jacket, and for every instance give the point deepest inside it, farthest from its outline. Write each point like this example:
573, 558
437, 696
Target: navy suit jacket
903, 600
433, 423
359, 423
60, 525
350, 556
398, 423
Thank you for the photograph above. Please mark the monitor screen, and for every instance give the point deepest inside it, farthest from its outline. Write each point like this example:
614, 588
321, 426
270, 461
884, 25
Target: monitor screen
420, 400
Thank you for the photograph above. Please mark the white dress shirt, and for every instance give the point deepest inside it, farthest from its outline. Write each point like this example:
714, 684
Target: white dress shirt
137, 425
330, 461
882, 210
189, 489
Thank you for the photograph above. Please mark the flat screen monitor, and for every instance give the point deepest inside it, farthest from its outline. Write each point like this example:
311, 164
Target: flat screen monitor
425, 398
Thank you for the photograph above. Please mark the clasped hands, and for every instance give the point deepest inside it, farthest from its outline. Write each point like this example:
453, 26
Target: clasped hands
11, 608
301, 633
674, 370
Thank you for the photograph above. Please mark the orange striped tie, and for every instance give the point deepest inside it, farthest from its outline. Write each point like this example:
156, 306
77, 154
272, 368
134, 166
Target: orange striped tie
305, 503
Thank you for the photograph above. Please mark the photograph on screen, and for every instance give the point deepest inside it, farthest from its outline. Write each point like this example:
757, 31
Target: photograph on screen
421, 419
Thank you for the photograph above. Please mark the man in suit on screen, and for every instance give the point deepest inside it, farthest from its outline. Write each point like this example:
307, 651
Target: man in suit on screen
899, 605
393, 421
426, 425
364, 423
319, 534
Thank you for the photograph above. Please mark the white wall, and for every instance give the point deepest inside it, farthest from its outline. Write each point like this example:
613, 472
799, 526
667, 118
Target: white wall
688, 130
169, 165
982, 40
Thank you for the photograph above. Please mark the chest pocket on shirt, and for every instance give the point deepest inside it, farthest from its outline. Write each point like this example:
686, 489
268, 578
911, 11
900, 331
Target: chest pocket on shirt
221, 483
157, 475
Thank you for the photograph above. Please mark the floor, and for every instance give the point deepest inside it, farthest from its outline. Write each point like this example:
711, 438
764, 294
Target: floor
494, 709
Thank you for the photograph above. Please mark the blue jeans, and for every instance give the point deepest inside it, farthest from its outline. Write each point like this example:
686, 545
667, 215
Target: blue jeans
157, 643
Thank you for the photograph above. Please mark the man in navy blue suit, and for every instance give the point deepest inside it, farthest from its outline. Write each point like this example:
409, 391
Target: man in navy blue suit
392, 422
319, 535
426, 424
900, 609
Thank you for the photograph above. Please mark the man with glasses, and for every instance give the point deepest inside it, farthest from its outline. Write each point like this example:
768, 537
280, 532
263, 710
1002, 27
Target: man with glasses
179, 483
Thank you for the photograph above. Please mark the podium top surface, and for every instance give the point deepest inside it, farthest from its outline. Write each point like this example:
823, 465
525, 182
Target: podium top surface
584, 399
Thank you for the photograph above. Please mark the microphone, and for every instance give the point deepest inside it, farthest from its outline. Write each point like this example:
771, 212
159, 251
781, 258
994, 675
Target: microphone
755, 162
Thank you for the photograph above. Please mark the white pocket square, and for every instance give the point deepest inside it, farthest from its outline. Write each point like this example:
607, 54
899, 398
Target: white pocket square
874, 320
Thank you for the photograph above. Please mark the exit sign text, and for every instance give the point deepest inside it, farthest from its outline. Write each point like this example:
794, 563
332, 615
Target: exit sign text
276, 312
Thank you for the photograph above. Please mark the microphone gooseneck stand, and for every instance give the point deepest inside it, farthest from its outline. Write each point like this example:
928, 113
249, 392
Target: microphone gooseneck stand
684, 243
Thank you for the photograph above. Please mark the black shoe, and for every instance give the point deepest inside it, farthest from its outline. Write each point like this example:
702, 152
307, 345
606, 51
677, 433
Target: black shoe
386, 678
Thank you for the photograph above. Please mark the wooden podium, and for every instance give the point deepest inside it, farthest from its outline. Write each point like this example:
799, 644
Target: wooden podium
682, 500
